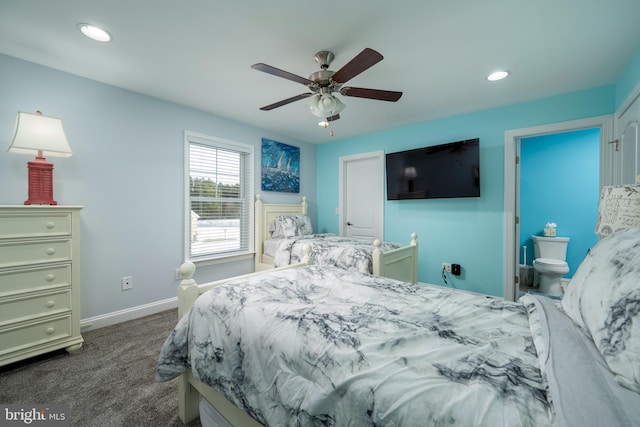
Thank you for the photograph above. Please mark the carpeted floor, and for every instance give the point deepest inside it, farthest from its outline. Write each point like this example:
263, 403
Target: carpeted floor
109, 383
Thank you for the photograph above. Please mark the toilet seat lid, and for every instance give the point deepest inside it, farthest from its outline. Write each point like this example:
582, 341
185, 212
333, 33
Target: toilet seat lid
550, 261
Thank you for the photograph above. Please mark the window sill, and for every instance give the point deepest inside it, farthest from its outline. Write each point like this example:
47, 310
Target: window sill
203, 262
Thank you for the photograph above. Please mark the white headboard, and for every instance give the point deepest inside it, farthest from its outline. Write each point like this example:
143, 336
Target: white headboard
265, 213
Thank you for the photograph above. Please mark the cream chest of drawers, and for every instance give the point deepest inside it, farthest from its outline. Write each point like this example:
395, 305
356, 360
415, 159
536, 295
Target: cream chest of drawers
39, 280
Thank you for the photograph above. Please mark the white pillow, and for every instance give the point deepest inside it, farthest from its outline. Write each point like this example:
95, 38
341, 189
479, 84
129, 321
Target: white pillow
603, 297
291, 226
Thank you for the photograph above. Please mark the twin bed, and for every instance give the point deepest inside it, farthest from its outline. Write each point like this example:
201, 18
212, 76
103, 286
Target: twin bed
318, 345
283, 231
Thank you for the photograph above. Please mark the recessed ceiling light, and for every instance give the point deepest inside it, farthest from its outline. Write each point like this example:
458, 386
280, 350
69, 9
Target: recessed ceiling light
498, 75
95, 33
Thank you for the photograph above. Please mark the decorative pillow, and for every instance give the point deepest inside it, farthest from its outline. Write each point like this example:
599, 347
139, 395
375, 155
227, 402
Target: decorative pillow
603, 297
291, 226
618, 209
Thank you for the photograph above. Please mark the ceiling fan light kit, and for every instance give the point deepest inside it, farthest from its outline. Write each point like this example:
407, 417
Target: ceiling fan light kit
325, 105
323, 83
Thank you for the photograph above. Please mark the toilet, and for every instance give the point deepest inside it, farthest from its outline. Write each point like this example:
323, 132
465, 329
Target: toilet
550, 263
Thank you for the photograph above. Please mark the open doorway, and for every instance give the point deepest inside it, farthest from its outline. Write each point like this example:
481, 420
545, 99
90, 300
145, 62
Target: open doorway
559, 185
512, 216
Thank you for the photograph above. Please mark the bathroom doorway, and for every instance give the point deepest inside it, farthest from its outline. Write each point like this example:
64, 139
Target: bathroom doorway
512, 210
559, 185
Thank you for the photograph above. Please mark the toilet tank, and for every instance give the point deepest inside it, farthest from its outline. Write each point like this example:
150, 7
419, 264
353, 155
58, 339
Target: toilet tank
550, 247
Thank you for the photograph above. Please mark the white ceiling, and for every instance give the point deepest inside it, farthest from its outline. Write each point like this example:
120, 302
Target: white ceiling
198, 53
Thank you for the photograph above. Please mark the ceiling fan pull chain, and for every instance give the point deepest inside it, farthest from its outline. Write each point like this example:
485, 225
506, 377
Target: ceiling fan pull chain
331, 126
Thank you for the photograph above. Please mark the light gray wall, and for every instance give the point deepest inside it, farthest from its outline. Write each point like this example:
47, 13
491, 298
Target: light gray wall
127, 172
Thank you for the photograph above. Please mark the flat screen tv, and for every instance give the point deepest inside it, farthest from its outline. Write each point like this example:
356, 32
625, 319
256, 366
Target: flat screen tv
440, 171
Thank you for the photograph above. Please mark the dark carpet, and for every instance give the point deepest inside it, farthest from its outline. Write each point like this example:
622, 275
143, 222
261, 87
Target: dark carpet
110, 382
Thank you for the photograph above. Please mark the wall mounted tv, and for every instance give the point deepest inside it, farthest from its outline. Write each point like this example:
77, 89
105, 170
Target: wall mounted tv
440, 171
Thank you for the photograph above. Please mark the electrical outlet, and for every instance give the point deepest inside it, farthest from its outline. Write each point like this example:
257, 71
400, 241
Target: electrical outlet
455, 269
446, 267
127, 283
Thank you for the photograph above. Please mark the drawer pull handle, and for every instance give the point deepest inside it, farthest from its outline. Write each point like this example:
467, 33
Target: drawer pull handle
50, 304
50, 224
49, 277
50, 330
51, 251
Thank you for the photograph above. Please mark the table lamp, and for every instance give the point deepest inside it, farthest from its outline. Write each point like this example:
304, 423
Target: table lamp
40, 136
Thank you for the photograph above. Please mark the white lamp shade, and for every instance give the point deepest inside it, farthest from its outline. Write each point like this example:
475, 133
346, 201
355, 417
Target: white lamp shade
410, 172
35, 133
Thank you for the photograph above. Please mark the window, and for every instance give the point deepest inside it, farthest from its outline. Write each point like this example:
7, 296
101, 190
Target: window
219, 193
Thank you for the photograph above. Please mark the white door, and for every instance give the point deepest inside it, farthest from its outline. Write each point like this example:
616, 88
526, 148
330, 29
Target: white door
625, 152
362, 196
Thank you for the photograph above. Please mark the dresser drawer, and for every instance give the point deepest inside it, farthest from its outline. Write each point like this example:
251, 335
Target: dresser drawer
31, 334
24, 307
33, 224
28, 252
23, 280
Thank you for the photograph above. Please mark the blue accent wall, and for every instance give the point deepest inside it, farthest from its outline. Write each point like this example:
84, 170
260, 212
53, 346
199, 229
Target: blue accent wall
559, 182
469, 232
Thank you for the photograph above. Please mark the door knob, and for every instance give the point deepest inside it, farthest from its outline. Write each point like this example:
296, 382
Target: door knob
349, 223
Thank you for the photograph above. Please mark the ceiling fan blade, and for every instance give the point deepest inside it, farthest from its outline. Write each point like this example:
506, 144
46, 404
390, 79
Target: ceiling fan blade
364, 60
381, 95
286, 101
333, 118
281, 73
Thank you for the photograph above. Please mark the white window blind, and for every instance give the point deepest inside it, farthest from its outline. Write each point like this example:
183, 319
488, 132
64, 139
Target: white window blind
220, 177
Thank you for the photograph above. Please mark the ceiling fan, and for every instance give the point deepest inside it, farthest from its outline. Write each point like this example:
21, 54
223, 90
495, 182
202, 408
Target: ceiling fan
322, 84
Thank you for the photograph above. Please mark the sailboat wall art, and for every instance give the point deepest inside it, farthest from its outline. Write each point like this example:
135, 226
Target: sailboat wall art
280, 167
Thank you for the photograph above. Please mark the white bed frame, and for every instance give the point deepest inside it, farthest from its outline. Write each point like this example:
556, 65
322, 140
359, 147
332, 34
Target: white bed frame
189, 388
400, 264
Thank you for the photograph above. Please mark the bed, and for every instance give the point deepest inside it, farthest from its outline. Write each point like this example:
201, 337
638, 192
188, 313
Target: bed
317, 345
282, 231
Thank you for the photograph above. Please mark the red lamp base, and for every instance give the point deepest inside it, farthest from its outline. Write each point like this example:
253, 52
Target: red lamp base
40, 183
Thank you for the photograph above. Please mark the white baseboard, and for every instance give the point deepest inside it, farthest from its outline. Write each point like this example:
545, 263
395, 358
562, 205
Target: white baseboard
461, 290
120, 316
